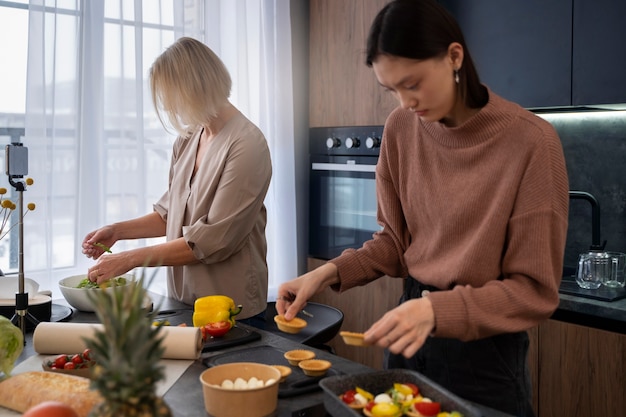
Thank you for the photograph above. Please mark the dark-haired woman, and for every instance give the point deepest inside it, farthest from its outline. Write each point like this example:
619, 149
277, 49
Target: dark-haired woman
473, 198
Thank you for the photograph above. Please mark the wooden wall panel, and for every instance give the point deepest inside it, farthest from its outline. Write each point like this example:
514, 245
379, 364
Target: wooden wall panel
361, 307
343, 90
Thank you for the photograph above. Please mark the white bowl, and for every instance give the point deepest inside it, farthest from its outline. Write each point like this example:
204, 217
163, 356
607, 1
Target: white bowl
77, 297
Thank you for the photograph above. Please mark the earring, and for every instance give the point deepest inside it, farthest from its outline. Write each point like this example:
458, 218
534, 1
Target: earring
456, 76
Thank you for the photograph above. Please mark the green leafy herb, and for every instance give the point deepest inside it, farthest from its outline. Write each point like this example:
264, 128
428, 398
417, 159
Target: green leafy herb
103, 247
85, 283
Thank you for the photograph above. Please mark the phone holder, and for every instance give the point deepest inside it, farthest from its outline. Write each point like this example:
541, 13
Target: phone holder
17, 166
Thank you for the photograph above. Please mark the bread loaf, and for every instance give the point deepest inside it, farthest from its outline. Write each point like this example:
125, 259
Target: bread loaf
25, 390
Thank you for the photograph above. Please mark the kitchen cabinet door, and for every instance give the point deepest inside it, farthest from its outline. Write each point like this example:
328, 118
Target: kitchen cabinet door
599, 56
522, 49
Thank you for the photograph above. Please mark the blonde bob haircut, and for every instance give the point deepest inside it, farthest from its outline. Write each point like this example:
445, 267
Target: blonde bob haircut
190, 85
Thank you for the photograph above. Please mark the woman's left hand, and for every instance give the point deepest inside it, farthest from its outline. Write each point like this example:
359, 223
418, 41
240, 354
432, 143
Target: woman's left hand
109, 266
404, 329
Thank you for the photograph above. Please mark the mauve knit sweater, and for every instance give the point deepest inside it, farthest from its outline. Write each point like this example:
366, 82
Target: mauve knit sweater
479, 211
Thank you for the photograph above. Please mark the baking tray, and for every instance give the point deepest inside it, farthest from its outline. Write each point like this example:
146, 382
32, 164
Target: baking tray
297, 383
380, 381
235, 336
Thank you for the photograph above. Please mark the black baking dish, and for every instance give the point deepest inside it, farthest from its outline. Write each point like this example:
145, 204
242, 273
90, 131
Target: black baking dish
380, 381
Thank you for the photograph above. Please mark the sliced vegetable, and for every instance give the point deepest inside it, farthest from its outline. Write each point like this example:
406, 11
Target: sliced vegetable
428, 409
217, 329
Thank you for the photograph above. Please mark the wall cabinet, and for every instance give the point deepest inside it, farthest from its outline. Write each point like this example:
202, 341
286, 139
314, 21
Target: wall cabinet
343, 90
547, 54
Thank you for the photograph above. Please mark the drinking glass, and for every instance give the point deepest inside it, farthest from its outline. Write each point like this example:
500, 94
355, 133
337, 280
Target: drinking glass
617, 277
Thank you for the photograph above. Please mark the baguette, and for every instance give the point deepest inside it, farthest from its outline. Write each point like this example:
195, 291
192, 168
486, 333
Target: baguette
25, 390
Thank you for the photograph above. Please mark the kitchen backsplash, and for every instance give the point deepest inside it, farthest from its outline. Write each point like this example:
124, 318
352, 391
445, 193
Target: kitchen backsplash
594, 144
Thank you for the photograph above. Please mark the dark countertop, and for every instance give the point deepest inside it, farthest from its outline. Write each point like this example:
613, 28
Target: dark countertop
185, 396
590, 312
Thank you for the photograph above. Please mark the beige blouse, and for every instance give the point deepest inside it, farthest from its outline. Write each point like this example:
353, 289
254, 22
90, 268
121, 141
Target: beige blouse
221, 214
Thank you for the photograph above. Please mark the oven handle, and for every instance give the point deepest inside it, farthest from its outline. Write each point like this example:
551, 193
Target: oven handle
322, 166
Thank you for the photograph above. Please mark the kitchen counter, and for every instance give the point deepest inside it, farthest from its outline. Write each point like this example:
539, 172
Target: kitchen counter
185, 396
584, 311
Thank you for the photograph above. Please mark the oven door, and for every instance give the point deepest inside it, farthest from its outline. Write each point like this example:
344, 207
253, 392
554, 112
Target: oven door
342, 209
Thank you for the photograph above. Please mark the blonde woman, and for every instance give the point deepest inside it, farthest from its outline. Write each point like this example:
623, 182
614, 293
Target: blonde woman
212, 214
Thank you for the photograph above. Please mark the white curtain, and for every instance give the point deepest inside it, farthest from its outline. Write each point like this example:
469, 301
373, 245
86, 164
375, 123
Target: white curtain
97, 152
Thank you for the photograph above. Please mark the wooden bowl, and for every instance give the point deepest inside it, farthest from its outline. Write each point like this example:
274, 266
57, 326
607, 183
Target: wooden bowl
250, 402
352, 338
292, 326
314, 367
294, 357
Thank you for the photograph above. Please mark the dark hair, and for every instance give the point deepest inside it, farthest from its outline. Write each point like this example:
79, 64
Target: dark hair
423, 29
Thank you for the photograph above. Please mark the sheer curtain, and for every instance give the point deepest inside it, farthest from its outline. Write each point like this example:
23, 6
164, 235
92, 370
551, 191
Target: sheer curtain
97, 152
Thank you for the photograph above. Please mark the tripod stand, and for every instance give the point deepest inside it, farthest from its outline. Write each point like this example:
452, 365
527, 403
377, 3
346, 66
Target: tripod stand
17, 167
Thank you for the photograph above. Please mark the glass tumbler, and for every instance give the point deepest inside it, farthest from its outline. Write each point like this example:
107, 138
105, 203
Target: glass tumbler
617, 277
594, 268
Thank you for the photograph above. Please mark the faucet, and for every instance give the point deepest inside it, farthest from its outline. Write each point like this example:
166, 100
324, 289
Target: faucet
596, 243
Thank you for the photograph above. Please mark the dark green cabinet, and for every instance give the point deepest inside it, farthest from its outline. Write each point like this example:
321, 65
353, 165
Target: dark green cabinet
547, 53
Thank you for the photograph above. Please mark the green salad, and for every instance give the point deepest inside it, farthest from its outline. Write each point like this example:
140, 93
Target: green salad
85, 283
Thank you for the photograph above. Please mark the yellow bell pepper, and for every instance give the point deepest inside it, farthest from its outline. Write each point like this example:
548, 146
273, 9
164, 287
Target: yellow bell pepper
213, 309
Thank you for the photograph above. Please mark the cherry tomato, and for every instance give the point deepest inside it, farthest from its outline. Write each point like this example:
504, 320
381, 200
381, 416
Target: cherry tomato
50, 409
86, 355
217, 329
428, 409
370, 405
77, 360
69, 365
348, 396
60, 361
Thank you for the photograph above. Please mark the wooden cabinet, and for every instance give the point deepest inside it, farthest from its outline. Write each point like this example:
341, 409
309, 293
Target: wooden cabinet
581, 371
547, 54
343, 90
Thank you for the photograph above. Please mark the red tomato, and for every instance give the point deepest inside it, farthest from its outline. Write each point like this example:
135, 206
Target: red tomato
413, 388
60, 361
348, 396
77, 359
370, 405
217, 329
428, 409
51, 409
69, 365
87, 355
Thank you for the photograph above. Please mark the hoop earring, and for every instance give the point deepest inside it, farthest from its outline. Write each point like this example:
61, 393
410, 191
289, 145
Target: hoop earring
456, 76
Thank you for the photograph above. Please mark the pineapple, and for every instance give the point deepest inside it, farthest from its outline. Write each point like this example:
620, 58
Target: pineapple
127, 351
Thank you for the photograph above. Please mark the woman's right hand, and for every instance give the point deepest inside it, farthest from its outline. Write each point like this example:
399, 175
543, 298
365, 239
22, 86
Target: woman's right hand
97, 242
293, 295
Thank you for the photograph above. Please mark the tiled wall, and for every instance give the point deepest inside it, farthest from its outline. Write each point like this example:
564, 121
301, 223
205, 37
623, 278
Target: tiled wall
594, 144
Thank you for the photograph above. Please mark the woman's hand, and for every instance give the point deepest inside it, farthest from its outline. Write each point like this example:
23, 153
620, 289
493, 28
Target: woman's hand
404, 329
293, 295
98, 242
110, 266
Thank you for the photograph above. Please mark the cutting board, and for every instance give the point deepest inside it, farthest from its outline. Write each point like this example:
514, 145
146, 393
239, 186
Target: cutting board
297, 383
235, 336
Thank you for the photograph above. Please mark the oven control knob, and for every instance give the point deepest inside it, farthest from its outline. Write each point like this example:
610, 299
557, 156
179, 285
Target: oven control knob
333, 143
372, 142
352, 143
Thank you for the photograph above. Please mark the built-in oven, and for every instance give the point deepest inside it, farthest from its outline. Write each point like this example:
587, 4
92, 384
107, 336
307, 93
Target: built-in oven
342, 198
